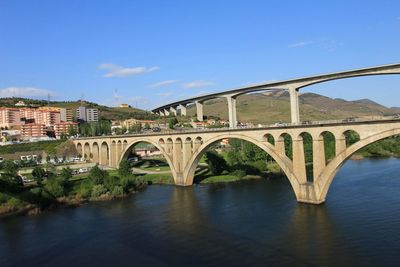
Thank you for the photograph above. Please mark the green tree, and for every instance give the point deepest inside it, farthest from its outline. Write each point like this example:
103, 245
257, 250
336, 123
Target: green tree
66, 175
97, 175
38, 174
55, 187
216, 163
172, 122
124, 168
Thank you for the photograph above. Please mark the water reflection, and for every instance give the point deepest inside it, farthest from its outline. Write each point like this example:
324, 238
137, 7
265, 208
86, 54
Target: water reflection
253, 223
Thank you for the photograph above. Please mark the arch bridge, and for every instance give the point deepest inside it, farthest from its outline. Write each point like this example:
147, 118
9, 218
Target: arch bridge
183, 150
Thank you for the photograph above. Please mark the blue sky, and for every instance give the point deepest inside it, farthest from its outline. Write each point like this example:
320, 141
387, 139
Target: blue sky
147, 53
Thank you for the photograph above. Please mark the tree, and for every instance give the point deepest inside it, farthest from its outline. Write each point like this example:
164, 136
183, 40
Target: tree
10, 168
66, 175
97, 175
71, 131
124, 168
146, 126
172, 122
48, 158
216, 163
38, 174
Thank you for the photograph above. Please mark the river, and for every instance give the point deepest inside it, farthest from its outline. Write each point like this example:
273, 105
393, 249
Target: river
253, 223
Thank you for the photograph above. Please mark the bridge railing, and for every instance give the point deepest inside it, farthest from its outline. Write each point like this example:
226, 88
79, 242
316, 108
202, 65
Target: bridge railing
266, 126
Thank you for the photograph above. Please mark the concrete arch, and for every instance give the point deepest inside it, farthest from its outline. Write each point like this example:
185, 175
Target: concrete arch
95, 152
324, 181
269, 138
324, 137
284, 162
105, 154
124, 153
346, 135
79, 149
86, 151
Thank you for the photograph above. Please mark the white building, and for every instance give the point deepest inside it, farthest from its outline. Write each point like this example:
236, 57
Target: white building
87, 114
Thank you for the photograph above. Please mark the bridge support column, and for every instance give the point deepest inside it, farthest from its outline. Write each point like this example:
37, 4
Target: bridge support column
299, 164
319, 161
232, 111
173, 111
113, 154
187, 152
161, 113
340, 145
183, 109
166, 112
294, 105
199, 109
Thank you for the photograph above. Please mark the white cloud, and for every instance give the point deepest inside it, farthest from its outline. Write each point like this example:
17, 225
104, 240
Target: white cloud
163, 83
299, 44
165, 94
197, 84
119, 71
25, 92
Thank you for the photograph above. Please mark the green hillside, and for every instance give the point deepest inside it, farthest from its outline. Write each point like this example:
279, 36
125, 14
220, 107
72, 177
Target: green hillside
108, 113
270, 108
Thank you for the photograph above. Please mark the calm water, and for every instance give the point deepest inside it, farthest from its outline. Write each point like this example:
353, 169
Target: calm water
254, 223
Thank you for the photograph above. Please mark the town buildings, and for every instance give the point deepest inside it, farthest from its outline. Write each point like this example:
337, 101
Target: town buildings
87, 114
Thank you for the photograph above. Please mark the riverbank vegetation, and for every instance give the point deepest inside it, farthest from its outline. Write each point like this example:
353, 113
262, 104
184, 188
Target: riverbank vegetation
53, 188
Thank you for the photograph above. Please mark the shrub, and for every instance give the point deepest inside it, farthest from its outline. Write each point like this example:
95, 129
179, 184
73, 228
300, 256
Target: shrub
98, 190
239, 173
84, 190
55, 187
261, 165
97, 175
14, 203
38, 174
117, 191
3, 198
111, 181
124, 168
128, 182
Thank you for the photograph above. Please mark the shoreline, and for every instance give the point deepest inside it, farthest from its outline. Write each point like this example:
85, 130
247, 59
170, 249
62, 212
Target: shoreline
154, 179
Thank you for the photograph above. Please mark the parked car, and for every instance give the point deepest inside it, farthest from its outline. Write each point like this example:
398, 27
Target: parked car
156, 129
83, 170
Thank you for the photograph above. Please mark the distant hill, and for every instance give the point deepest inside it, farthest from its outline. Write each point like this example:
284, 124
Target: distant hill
257, 108
108, 113
273, 107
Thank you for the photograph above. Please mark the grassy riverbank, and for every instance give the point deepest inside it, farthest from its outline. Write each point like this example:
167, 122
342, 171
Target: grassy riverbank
63, 189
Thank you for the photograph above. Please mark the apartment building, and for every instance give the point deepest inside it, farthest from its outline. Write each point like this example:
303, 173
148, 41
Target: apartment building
44, 116
64, 127
9, 117
33, 130
87, 114
66, 115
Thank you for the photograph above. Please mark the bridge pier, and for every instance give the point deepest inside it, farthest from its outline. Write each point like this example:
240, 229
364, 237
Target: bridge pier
162, 114
294, 105
173, 111
232, 111
183, 109
199, 110
166, 112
